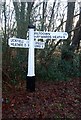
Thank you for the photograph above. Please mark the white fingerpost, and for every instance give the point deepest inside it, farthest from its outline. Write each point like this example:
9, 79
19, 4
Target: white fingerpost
31, 44
30, 85
31, 69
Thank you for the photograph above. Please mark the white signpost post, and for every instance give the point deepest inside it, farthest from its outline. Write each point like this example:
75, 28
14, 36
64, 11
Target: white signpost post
31, 44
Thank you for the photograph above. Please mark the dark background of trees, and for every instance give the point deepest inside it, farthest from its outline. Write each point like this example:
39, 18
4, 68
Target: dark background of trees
60, 60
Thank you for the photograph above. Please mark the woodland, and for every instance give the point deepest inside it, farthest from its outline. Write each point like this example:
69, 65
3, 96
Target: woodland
57, 67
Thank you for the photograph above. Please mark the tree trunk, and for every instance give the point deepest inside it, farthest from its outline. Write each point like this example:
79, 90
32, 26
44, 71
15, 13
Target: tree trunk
69, 22
5, 19
66, 53
43, 16
52, 13
77, 35
22, 18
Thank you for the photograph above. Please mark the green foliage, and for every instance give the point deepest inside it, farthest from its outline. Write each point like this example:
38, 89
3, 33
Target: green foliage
70, 68
41, 72
59, 69
15, 66
80, 63
18, 68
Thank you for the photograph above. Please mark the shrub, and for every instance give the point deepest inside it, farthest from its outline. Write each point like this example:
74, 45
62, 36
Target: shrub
58, 69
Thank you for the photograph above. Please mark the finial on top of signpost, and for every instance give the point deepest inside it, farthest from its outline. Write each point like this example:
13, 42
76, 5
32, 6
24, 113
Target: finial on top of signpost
31, 26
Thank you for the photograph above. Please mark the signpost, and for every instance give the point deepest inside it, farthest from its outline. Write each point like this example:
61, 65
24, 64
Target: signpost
23, 43
50, 35
31, 44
